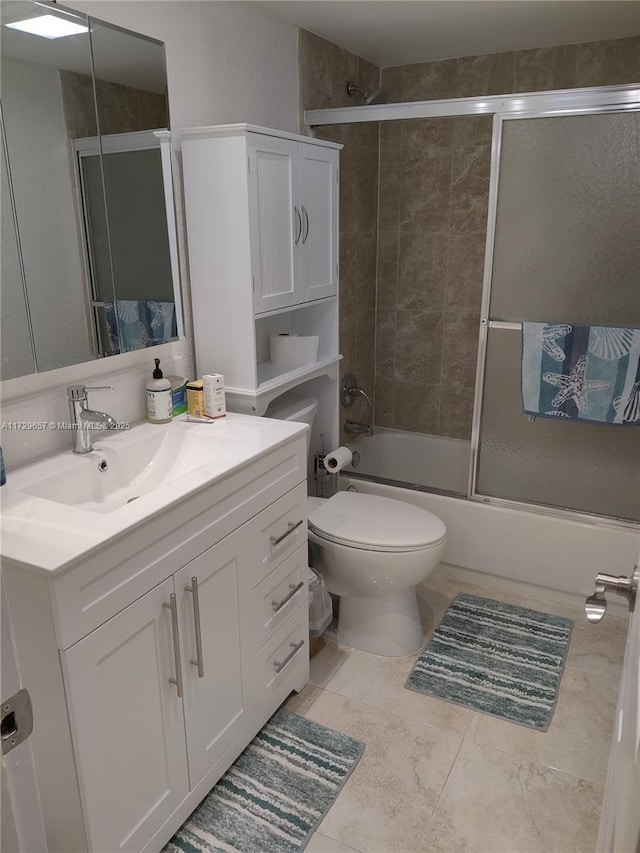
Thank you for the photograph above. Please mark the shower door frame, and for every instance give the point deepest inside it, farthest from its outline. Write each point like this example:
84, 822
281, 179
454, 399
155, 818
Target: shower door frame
486, 323
549, 104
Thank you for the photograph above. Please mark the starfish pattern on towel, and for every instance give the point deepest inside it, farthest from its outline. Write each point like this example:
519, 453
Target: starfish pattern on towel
575, 386
547, 337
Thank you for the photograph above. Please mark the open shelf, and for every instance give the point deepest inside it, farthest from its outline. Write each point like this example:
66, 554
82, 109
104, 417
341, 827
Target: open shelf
274, 380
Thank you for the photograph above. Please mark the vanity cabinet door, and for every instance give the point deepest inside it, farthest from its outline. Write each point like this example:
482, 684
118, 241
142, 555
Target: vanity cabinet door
318, 197
275, 222
216, 716
128, 724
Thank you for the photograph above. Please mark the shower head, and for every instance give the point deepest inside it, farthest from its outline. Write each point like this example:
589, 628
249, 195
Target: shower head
375, 97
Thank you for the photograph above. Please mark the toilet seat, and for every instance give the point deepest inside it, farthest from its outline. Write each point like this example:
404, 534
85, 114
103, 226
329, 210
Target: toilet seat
374, 523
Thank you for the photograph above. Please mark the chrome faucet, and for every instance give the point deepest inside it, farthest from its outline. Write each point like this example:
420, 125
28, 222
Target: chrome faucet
81, 418
357, 428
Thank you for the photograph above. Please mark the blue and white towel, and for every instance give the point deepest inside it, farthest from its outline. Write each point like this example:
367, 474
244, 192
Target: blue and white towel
581, 373
134, 325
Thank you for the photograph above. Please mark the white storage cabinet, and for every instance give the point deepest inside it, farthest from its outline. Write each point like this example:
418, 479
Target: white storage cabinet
262, 226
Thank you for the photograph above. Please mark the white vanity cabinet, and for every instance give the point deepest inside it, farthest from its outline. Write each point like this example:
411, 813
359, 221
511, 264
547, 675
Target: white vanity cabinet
262, 227
174, 647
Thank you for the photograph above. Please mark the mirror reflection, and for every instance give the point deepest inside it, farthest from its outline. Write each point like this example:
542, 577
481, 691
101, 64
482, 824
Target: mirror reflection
90, 269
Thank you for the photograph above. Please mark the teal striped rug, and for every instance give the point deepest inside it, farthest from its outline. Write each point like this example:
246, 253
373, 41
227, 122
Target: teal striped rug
496, 658
274, 796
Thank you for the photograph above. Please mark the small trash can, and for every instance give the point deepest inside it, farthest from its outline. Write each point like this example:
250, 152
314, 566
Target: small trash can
320, 609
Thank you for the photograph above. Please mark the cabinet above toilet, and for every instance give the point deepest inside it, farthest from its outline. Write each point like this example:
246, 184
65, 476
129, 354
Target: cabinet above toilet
262, 225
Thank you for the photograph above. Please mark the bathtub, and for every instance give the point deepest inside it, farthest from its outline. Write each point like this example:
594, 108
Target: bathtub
414, 459
521, 551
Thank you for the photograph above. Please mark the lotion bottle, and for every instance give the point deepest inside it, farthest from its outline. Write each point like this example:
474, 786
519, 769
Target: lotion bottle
159, 403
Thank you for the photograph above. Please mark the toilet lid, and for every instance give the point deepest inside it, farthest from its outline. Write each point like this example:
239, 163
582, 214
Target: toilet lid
375, 523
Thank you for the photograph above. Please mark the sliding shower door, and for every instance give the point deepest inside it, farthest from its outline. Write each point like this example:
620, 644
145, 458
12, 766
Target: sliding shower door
565, 240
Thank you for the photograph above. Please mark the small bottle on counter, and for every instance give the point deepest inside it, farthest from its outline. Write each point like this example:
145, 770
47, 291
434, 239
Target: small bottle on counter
195, 398
214, 399
159, 403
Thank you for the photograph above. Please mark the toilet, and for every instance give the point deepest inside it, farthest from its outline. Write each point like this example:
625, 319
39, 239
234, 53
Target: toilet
372, 551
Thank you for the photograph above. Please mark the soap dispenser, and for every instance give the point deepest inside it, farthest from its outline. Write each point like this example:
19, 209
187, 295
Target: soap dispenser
159, 403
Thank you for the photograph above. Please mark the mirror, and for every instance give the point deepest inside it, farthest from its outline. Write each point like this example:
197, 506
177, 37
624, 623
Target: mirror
89, 251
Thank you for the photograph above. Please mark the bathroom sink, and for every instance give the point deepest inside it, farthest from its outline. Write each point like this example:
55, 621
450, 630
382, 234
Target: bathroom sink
124, 466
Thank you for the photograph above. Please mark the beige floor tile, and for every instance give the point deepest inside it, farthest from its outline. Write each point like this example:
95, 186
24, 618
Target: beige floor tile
380, 681
598, 649
320, 843
328, 659
578, 738
299, 703
502, 804
387, 802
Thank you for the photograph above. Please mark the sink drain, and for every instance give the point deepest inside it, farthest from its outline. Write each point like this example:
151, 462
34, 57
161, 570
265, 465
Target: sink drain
133, 499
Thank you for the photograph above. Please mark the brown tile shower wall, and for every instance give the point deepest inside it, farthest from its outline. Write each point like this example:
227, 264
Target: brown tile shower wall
434, 183
414, 332
325, 70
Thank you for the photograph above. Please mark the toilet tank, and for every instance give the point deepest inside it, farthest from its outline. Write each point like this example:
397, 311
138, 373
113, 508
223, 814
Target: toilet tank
293, 406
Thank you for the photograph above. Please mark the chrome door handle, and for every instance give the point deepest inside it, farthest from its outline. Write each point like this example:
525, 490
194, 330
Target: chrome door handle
295, 648
306, 217
173, 607
276, 540
293, 588
299, 226
198, 661
596, 605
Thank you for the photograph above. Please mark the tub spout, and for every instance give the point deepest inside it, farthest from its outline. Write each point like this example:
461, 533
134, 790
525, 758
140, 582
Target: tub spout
357, 428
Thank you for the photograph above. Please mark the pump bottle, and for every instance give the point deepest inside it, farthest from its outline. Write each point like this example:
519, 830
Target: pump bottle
159, 403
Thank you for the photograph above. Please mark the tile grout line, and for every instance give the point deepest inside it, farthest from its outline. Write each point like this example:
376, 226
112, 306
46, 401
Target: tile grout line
435, 808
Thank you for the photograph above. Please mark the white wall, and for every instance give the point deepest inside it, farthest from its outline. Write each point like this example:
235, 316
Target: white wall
226, 62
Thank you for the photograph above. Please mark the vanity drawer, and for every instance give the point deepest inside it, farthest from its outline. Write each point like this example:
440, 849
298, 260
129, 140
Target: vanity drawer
282, 664
276, 532
271, 603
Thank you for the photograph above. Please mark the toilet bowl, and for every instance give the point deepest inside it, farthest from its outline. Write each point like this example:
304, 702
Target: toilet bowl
372, 552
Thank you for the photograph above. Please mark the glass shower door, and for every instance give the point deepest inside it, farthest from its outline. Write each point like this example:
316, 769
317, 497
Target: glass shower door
566, 251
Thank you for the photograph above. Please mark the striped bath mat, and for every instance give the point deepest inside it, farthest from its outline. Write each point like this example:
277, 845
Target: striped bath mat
274, 796
496, 658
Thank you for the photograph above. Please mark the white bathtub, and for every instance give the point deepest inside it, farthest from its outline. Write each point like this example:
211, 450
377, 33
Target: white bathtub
519, 550
427, 461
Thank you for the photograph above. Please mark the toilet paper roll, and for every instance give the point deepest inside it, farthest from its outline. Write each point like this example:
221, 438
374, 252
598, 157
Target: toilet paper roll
294, 350
338, 459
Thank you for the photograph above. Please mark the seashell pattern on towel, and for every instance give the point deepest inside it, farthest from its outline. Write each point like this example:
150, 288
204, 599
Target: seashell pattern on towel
631, 406
611, 343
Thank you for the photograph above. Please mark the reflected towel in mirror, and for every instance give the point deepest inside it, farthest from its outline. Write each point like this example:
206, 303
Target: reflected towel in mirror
133, 325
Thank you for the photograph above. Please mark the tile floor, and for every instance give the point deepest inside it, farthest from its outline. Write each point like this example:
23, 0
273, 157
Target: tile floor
440, 778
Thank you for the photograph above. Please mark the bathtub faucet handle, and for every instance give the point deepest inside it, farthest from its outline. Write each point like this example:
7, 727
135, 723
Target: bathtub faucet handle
350, 390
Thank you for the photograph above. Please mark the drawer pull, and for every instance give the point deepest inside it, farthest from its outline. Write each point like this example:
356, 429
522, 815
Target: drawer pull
295, 647
197, 661
293, 587
173, 607
291, 526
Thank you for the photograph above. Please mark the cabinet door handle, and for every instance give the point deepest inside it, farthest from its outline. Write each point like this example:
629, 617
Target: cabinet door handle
306, 218
295, 648
291, 526
173, 607
198, 661
293, 588
299, 232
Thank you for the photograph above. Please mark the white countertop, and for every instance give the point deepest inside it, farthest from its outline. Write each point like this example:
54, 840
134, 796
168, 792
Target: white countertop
47, 535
